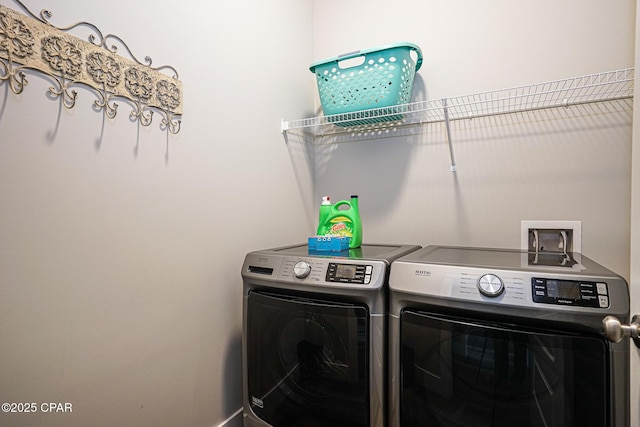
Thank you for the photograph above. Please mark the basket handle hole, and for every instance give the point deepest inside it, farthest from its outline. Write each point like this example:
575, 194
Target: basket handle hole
351, 62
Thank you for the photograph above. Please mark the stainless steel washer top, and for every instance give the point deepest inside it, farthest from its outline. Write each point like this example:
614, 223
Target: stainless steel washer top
351, 272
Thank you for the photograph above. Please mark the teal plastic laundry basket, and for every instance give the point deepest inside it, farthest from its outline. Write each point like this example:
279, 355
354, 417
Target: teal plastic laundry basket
367, 79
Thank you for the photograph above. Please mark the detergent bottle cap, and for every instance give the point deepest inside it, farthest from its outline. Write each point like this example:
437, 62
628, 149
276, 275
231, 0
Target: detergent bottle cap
326, 200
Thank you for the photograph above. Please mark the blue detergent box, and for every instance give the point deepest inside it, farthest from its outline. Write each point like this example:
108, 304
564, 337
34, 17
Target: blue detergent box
328, 243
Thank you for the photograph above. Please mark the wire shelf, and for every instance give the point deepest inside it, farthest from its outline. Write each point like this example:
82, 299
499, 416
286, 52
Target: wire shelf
606, 86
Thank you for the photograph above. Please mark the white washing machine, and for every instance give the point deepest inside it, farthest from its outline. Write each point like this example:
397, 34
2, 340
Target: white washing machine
315, 336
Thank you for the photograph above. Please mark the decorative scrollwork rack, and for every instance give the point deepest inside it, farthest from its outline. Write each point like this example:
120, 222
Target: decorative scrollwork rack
33, 43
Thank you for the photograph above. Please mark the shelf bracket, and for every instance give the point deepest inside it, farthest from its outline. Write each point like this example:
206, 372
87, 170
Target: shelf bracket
445, 109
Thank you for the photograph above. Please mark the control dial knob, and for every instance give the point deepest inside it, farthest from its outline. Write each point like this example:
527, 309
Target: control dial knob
301, 269
490, 285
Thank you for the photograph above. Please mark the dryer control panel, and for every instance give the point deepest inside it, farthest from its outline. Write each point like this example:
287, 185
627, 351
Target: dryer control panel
463, 277
570, 292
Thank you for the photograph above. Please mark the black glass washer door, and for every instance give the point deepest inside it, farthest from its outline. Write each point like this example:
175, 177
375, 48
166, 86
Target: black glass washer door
467, 373
307, 361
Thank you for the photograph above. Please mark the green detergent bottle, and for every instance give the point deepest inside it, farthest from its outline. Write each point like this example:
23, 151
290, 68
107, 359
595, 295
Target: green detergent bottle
334, 221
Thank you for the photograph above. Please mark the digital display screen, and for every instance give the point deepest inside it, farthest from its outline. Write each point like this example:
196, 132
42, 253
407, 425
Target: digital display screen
345, 271
563, 289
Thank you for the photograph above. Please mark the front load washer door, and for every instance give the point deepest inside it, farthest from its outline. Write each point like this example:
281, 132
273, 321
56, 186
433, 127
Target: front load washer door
307, 361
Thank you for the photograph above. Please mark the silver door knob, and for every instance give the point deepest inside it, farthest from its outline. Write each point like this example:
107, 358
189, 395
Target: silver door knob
615, 331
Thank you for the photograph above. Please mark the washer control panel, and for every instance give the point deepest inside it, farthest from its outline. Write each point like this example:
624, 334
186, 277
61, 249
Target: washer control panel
349, 273
570, 292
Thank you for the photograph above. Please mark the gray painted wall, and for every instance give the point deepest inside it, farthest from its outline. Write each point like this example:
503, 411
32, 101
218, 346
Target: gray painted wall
121, 247
548, 165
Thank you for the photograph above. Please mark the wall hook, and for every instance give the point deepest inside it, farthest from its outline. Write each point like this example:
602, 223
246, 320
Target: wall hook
32, 43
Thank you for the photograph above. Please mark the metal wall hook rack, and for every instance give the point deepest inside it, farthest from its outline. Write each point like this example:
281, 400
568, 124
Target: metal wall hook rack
31, 43
615, 331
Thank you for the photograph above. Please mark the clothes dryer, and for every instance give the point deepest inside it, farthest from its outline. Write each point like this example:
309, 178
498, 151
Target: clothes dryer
315, 336
484, 337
